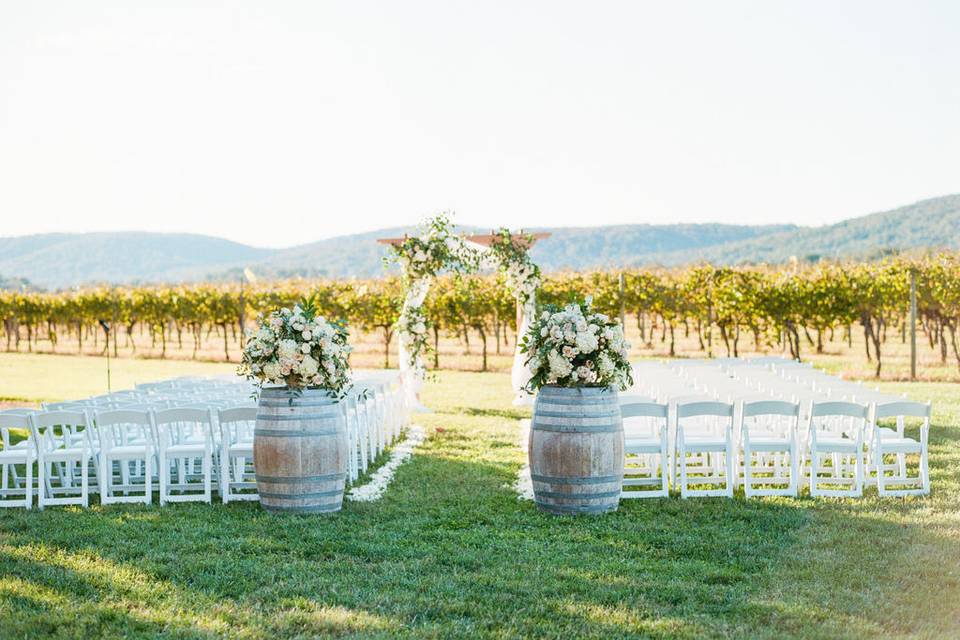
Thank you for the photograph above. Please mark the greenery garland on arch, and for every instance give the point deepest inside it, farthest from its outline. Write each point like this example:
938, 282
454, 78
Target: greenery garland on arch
521, 273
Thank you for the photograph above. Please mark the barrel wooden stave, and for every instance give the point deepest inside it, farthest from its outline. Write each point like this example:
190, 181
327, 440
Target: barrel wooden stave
576, 450
300, 451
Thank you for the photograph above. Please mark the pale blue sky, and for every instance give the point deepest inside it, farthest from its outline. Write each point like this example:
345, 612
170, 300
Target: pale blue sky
277, 123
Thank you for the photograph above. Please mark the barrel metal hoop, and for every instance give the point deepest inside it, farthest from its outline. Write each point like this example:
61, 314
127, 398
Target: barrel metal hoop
301, 496
563, 414
575, 479
301, 479
579, 403
576, 496
587, 428
293, 433
303, 509
297, 417
594, 508
287, 405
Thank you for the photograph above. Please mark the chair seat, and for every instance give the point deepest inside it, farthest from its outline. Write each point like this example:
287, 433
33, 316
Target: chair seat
17, 454
186, 449
128, 451
887, 432
837, 444
641, 445
242, 449
65, 453
765, 439
900, 445
704, 443
637, 431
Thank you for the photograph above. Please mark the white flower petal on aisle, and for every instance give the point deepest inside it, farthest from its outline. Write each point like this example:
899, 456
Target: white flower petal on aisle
375, 488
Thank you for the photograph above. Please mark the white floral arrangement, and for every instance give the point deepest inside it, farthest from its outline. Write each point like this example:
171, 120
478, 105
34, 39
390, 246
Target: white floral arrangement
576, 347
522, 274
299, 349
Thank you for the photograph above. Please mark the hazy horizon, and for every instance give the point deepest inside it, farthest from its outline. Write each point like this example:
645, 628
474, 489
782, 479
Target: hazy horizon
254, 122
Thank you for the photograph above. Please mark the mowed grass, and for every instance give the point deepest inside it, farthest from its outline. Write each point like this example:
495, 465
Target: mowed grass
451, 552
30, 378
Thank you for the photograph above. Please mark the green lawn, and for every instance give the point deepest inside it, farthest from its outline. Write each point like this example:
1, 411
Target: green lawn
451, 552
26, 378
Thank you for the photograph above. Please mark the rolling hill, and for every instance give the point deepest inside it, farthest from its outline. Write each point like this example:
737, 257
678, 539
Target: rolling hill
67, 259
64, 260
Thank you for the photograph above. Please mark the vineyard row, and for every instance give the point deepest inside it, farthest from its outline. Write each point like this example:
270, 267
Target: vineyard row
719, 305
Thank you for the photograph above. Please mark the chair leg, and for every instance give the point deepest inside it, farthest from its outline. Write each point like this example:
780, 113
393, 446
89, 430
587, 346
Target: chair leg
664, 470
730, 463
85, 481
924, 472
207, 480
813, 472
162, 472
147, 479
28, 489
747, 471
41, 483
682, 454
794, 471
878, 463
225, 476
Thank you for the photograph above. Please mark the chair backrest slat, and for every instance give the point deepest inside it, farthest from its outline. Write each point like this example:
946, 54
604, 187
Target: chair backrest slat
902, 408
849, 409
644, 409
770, 408
690, 409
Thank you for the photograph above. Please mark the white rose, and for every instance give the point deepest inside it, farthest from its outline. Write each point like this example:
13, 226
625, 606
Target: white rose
560, 367
308, 366
271, 370
287, 349
586, 342
306, 334
305, 348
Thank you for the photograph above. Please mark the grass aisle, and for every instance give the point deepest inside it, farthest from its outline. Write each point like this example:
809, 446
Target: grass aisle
450, 552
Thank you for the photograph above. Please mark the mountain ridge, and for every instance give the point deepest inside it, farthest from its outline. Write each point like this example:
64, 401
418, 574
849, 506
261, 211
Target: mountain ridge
59, 260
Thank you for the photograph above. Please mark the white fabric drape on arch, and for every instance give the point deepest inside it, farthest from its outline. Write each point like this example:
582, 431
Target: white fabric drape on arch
520, 374
413, 376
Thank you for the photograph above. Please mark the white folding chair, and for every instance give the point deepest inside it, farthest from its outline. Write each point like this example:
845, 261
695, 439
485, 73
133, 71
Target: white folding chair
237, 473
64, 451
886, 441
126, 438
647, 441
716, 439
185, 436
768, 428
836, 429
22, 453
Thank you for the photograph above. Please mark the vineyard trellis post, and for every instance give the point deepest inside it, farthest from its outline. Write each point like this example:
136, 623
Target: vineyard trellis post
913, 323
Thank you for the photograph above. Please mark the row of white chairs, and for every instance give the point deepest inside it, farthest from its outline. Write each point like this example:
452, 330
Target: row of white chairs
182, 436
760, 446
719, 426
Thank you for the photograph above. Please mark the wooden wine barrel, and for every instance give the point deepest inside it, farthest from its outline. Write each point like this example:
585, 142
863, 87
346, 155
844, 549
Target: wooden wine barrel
300, 451
576, 450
